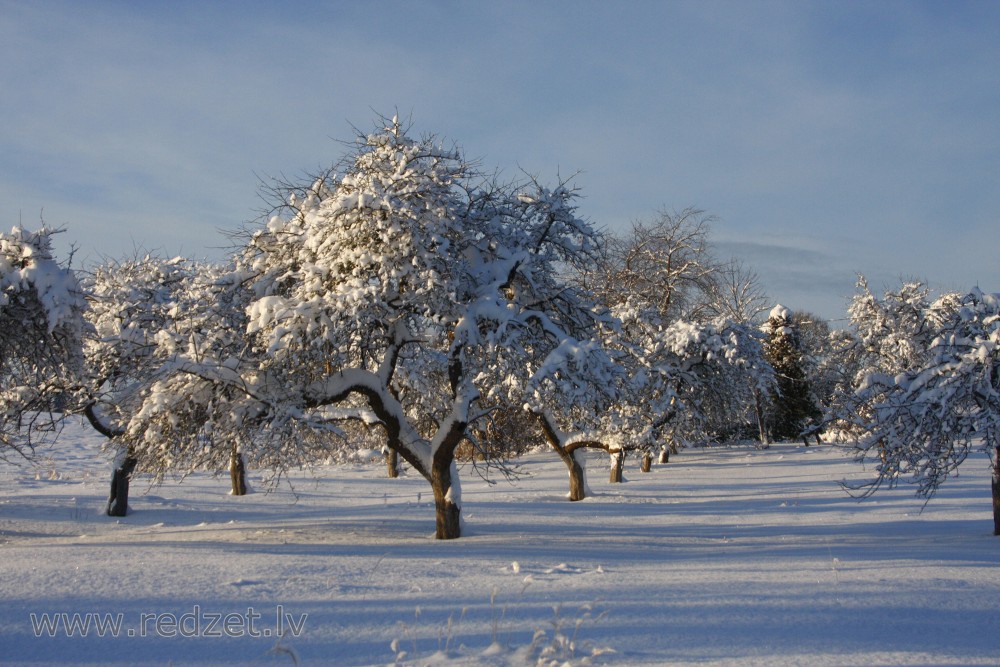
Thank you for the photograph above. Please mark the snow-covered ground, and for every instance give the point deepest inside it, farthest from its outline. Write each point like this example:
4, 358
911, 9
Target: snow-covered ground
724, 556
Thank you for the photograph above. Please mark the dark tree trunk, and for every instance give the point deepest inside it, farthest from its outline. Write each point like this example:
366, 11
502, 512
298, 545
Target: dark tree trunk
118, 500
577, 478
761, 420
996, 493
447, 512
812, 432
664, 455
647, 461
392, 463
577, 473
238, 473
445, 484
122, 475
617, 465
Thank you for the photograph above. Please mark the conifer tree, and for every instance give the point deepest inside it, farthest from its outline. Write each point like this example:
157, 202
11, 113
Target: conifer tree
793, 407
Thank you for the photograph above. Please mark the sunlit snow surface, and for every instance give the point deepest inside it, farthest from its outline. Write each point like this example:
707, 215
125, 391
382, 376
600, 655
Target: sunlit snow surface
724, 556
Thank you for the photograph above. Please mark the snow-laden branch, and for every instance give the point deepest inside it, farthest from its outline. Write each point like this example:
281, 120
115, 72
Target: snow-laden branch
920, 413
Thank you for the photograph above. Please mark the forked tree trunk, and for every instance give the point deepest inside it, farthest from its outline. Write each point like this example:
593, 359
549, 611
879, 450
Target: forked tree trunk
392, 463
996, 493
647, 461
664, 454
447, 499
118, 499
577, 470
125, 463
617, 465
237, 472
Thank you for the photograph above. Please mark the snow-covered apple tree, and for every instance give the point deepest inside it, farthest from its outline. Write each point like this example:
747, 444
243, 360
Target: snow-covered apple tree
575, 417
887, 335
933, 395
409, 292
929, 392
41, 331
683, 382
689, 373
700, 380
138, 306
678, 379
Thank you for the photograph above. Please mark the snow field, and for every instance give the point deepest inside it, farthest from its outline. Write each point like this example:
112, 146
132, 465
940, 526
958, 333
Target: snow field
725, 556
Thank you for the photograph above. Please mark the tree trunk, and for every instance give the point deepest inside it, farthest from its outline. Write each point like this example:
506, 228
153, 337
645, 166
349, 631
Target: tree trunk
392, 463
577, 477
664, 454
577, 471
647, 461
118, 500
996, 493
761, 421
238, 472
447, 498
617, 465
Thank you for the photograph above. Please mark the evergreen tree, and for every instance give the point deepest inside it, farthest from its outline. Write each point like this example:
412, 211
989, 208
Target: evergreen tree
793, 408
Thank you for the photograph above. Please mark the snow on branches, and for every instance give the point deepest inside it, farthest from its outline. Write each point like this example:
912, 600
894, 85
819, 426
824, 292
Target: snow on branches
409, 292
699, 377
28, 270
930, 393
41, 328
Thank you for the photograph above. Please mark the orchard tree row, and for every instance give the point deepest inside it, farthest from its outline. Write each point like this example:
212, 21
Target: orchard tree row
406, 298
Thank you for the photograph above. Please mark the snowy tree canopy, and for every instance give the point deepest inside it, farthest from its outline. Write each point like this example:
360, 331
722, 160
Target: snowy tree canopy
28, 271
932, 392
694, 364
409, 292
131, 302
667, 263
701, 378
149, 313
41, 331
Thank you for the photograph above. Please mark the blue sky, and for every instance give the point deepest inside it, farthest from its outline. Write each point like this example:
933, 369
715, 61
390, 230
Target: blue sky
828, 138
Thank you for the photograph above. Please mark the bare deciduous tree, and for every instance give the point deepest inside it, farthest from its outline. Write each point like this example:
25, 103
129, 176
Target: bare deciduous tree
736, 293
667, 261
